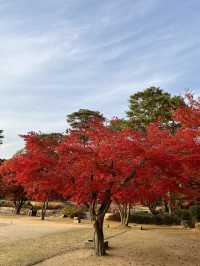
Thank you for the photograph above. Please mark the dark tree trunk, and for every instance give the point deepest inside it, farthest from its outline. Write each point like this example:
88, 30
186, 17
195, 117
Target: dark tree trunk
18, 206
92, 216
98, 214
124, 211
169, 208
18, 210
165, 206
171, 203
99, 236
44, 208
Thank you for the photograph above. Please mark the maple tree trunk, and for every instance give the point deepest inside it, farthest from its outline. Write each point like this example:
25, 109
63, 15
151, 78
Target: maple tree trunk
99, 236
124, 211
18, 205
18, 210
165, 206
92, 217
171, 203
44, 208
99, 245
169, 208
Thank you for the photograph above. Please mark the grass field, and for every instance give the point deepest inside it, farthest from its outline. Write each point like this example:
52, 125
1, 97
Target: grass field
29, 241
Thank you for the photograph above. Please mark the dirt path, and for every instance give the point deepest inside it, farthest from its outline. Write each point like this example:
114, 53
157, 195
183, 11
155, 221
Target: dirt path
155, 247
13, 229
25, 241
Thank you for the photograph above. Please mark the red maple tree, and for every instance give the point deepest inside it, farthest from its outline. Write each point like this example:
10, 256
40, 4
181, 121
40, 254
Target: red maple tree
188, 139
11, 187
96, 170
37, 167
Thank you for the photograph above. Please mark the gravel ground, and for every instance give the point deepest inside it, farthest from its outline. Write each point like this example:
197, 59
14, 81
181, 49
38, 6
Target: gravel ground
13, 229
27, 241
150, 247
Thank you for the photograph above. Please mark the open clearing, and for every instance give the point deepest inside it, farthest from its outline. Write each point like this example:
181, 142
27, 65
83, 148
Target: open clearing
29, 241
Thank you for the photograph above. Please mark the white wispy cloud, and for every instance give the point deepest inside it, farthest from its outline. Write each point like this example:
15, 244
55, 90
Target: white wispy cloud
58, 56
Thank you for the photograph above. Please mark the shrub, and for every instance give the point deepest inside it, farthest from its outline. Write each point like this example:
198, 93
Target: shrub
187, 216
167, 219
6, 203
184, 214
195, 211
72, 211
143, 218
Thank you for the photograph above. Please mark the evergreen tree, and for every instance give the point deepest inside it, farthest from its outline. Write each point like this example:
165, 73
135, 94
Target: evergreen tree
151, 104
79, 119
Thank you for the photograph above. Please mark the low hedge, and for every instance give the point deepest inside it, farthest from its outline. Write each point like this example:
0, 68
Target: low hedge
181, 215
148, 218
195, 211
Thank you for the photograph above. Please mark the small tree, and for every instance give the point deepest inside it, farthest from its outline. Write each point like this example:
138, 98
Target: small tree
12, 189
1, 181
79, 122
36, 168
17, 194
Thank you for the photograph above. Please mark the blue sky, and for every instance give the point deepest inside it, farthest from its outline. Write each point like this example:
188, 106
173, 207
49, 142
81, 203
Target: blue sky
61, 55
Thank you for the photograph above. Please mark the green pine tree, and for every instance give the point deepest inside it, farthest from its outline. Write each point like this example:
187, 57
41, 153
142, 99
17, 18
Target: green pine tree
151, 104
79, 119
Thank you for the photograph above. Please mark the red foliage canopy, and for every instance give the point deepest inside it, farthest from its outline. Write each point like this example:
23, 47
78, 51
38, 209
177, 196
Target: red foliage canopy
12, 189
37, 166
105, 163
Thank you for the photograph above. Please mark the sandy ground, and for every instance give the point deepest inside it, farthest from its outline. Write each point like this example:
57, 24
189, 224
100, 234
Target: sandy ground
22, 228
152, 247
25, 242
